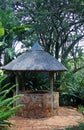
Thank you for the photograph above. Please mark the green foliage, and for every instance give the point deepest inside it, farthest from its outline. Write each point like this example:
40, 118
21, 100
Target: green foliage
81, 108
72, 83
1, 73
9, 54
2, 32
35, 80
58, 25
6, 104
80, 127
72, 89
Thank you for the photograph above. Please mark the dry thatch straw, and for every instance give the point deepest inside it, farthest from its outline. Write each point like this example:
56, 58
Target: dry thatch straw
35, 59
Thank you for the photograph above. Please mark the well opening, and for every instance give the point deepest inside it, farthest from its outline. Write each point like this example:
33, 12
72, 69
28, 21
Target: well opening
37, 92
37, 103
41, 101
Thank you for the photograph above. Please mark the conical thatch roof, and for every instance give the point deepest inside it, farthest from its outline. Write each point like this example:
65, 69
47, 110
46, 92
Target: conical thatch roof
35, 59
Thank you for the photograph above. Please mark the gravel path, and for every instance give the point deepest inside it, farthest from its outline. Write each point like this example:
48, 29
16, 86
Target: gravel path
66, 117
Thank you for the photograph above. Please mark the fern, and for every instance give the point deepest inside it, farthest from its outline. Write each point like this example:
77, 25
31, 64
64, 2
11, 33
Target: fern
6, 109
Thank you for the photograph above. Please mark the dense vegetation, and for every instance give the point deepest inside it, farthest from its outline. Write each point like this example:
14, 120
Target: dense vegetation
59, 27
7, 109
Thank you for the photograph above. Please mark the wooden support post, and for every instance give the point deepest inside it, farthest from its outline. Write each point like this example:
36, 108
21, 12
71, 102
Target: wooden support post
17, 86
51, 88
23, 81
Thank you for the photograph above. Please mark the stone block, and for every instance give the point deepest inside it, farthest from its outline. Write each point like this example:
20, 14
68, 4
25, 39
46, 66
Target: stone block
38, 105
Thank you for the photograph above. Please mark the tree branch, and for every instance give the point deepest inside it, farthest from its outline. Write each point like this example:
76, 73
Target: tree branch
71, 46
74, 71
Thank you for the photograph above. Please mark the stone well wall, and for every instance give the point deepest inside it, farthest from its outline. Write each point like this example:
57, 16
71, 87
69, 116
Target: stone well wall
38, 105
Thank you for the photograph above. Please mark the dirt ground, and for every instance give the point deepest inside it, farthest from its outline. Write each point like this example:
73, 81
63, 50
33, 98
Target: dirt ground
67, 117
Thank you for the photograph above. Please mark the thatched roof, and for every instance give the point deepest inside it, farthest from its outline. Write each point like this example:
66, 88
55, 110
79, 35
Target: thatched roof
35, 59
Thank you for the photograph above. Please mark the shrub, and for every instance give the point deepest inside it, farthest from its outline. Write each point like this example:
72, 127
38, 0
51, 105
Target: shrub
81, 109
80, 127
72, 90
6, 105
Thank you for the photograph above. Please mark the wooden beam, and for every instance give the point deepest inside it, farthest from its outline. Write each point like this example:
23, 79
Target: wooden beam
23, 81
17, 87
51, 88
17, 84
